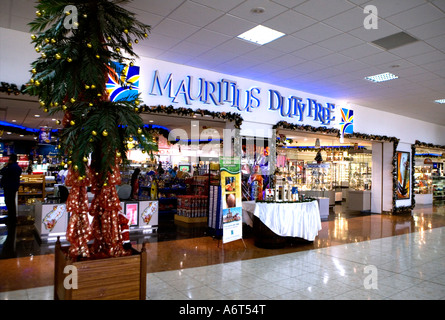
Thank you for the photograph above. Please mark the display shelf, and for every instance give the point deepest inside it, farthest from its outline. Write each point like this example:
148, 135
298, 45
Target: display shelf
32, 188
438, 187
423, 181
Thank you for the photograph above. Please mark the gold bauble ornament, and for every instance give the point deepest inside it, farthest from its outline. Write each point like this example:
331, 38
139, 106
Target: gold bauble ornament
43, 55
105, 184
46, 40
118, 49
64, 107
105, 133
136, 109
42, 103
94, 133
99, 94
118, 154
58, 122
72, 122
87, 87
45, 110
85, 159
97, 56
37, 49
69, 59
136, 102
38, 13
58, 56
89, 45
72, 100
90, 104
139, 130
125, 30
37, 83
146, 35
34, 71
67, 13
131, 64
69, 162
76, 167
53, 41
130, 44
93, 86
33, 37
136, 41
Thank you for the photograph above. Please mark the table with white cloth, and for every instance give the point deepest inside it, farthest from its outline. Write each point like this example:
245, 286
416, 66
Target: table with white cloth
274, 222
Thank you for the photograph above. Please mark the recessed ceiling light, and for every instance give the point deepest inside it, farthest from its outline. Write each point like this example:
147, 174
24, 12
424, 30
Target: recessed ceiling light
150, 120
37, 115
8, 132
439, 101
13, 120
261, 35
382, 77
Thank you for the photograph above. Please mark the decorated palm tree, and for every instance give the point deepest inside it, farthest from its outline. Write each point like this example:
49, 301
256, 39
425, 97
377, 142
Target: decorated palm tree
83, 43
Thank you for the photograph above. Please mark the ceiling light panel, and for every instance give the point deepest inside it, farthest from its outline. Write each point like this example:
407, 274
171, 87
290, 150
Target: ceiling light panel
382, 77
261, 35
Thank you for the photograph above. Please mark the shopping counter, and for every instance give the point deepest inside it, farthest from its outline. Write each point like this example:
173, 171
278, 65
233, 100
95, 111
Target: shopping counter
51, 219
274, 222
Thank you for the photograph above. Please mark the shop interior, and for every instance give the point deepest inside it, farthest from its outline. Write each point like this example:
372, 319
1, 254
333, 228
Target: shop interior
310, 165
429, 175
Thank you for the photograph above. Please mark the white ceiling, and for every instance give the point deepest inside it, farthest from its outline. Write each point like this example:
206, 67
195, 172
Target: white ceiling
326, 50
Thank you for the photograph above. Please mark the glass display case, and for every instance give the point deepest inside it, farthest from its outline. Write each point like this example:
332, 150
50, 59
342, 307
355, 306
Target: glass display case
318, 176
423, 181
360, 174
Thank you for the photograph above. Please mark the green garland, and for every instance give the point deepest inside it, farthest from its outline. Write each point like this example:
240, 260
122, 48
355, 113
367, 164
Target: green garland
229, 116
12, 88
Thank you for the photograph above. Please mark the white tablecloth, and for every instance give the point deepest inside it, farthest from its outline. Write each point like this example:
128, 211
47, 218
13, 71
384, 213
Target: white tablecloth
300, 220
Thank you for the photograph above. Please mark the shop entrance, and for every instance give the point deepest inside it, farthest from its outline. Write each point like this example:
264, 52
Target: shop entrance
180, 174
429, 176
314, 165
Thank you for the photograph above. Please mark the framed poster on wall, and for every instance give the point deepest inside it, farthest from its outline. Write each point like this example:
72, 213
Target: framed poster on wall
403, 175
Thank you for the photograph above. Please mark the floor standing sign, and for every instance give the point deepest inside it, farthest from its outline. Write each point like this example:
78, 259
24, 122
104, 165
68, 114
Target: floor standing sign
231, 198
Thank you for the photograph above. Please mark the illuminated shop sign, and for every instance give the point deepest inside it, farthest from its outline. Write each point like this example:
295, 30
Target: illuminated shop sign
226, 91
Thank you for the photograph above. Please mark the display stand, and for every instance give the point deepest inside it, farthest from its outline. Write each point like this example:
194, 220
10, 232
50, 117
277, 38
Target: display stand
359, 200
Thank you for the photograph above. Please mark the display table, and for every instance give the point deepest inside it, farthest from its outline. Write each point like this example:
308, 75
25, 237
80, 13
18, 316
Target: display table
273, 222
321, 194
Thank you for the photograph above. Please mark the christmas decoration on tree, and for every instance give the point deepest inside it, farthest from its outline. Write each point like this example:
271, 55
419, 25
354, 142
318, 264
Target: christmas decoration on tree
80, 44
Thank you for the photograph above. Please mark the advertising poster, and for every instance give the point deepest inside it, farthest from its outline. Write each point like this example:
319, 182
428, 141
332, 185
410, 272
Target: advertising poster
231, 198
45, 135
131, 212
403, 175
148, 213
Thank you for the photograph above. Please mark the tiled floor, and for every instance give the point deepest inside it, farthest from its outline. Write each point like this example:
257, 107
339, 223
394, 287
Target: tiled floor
406, 255
408, 266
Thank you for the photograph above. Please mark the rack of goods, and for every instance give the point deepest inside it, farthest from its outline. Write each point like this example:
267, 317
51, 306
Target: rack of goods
32, 188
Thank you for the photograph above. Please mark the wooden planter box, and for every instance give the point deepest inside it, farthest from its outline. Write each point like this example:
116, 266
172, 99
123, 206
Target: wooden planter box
121, 278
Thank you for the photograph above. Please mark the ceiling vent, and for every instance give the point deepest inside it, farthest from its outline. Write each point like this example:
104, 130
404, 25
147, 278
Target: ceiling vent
394, 41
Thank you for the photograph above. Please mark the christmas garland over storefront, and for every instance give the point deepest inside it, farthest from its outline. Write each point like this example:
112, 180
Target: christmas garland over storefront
181, 111
362, 136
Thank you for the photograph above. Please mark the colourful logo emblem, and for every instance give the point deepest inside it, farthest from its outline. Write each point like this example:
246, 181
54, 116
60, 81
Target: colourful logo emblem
347, 121
123, 82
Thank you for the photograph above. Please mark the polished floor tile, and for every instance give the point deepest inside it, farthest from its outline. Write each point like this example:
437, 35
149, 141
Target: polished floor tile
406, 252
